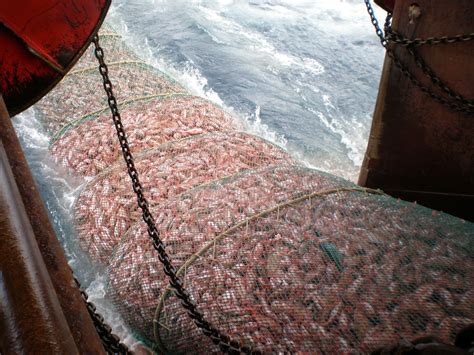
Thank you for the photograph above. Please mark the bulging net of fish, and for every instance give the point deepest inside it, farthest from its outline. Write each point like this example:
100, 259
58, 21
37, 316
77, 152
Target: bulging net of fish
91, 146
293, 260
80, 96
283, 258
63, 107
190, 220
107, 207
114, 45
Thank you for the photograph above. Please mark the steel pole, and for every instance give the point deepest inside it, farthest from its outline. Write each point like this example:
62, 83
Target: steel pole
78, 320
31, 318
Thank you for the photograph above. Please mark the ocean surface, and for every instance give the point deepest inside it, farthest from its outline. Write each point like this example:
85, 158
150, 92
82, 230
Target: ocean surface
303, 74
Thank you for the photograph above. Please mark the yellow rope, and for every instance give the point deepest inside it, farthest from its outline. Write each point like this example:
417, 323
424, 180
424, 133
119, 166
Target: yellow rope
111, 64
109, 34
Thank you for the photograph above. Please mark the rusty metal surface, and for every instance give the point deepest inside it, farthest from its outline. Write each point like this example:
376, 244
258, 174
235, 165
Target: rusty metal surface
78, 320
418, 149
40, 40
31, 319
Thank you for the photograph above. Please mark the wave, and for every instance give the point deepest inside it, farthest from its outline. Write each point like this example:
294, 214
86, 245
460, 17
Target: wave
257, 42
281, 57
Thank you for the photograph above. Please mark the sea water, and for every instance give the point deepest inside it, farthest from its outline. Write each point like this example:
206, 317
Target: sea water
303, 74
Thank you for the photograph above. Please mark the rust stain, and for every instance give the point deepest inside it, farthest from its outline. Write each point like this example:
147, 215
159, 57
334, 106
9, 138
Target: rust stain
419, 149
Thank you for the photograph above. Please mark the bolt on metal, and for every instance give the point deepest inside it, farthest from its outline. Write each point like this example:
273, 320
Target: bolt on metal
414, 12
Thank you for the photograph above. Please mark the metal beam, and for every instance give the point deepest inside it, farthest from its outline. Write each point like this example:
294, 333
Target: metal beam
78, 320
420, 150
31, 319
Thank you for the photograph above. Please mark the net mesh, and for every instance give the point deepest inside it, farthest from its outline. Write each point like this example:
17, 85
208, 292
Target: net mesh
61, 107
289, 259
92, 146
281, 257
117, 50
79, 96
107, 206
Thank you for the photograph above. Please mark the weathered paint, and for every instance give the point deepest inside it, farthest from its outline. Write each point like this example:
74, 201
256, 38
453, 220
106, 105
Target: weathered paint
61, 283
420, 150
31, 318
40, 40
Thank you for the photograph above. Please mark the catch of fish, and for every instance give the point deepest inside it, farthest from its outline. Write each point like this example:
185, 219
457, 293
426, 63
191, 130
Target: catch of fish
277, 255
107, 208
91, 147
64, 109
283, 260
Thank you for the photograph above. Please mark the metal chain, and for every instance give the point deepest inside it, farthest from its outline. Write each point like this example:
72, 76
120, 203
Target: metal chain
465, 105
398, 38
110, 341
428, 71
437, 81
375, 22
226, 344
427, 91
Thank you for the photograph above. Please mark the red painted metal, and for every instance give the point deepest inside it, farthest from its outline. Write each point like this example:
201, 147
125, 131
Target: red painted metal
40, 40
387, 5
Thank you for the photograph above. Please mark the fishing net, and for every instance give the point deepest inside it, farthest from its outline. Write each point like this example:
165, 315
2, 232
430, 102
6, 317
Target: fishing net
92, 146
281, 257
62, 107
115, 47
292, 260
107, 206
79, 95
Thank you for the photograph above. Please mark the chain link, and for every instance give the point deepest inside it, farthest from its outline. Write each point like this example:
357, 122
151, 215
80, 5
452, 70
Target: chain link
437, 81
456, 102
375, 22
398, 38
226, 344
110, 341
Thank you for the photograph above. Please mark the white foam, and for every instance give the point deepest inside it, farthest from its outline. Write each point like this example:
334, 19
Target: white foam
253, 124
193, 80
351, 131
257, 42
97, 295
211, 35
186, 74
27, 127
